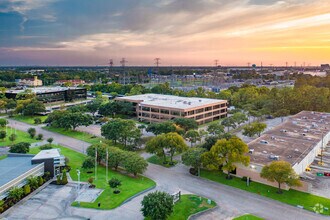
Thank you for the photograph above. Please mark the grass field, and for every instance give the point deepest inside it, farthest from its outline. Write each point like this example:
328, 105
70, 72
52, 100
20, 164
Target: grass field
21, 137
291, 197
159, 161
3, 157
248, 217
77, 134
130, 185
28, 119
189, 205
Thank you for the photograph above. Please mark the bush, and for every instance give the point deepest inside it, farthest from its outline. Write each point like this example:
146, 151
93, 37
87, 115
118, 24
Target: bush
27, 189
90, 180
40, 136
21, 148
45, 147
64, 179
114, 182
116, 191
37, 121
47, 175
12, 137
157, 205
50, 140
58, 180
3, 135
88, 163
32, 132
40, 181
193, 171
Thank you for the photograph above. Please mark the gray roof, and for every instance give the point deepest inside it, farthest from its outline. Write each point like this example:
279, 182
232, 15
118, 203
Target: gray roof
13, 167
46, 154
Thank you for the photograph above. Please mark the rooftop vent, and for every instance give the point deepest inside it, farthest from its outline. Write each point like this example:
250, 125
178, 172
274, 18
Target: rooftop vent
264, 142
251, 151
283, 130
274, 157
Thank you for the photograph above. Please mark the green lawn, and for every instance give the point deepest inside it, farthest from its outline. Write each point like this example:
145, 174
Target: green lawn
130, 185
3, 157
248, 217
77, 135
28, 119
159, 161
189, 205
21, 137
291, 197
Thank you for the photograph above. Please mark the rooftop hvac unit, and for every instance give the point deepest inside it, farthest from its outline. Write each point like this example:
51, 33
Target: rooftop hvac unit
251, 151
264, 142
283, 130
265, 152
274, 157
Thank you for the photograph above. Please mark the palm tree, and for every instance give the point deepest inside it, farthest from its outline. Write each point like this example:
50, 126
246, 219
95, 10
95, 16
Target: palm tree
16, 194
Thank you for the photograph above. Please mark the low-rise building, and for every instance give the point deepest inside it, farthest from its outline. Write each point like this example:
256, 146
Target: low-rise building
52, 94
31, 82
158, 108
16, 169
298, 141
71, 82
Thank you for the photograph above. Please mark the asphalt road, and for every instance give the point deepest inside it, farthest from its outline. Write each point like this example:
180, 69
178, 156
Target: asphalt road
232, 202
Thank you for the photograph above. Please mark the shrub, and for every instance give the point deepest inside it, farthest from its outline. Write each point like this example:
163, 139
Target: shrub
90, 180
40, 136
50, 140
45, 147
157, 205
114, 182
27, 189
58, 180
64, 179
3, 135
193, 171
37, 121
40, 181
21, 148
47, 175
88, 163
12, 137
32, 132
116, 191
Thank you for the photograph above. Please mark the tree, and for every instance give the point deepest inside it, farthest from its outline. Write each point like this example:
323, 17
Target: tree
192, 136
34, 107
134, 163
228, 122
116, 156
215, 129
3, 135
225, 153
64, 179
21, 148
50, 141
239, 118
280, 172
11, 104
193, 157
16, 193
122, 131
3, 122
255, 128
94, 106
37, 121
101, 151
157, 205
186, 123
12, 137
32, 132
160, 128
69, 120
170, 141
89, 163
114, 183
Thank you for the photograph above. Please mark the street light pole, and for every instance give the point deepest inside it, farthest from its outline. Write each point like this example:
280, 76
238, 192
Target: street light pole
95, 162
78, 173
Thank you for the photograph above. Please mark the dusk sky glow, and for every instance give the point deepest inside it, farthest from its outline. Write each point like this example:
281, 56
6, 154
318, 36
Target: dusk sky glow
180, 32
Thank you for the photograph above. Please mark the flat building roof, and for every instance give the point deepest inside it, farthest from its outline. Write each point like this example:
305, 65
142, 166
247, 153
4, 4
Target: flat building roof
46, 154
41, 90
170, 101
292, 140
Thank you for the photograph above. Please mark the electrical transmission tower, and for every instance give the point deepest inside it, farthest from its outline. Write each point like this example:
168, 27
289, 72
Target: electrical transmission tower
157, 61
216, 62
123, 64
110, 65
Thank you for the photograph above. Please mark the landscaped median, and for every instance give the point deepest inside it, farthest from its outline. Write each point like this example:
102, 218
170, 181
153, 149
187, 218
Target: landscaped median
76, 134
108, 200
248, 217
159, 161
190, 205
292, 197
29, 119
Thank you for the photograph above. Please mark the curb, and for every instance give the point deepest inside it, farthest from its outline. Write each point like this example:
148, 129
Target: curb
26, 198
138, 194
202, 212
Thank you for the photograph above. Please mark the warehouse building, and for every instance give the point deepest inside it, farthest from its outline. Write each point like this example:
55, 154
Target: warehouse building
158, 108
298, 141
52, 94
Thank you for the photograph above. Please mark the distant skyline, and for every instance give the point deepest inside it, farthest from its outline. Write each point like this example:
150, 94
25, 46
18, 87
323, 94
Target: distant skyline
180, 32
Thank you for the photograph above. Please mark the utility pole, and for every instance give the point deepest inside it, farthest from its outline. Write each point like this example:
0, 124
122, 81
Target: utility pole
123, 64
110, 65
216, 62
157, 62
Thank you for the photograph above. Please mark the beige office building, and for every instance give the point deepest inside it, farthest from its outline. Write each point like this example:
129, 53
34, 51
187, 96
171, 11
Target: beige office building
158, 108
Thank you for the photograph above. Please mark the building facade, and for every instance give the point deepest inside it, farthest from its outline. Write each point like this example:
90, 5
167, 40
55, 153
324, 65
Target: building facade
158, 108
33, 82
